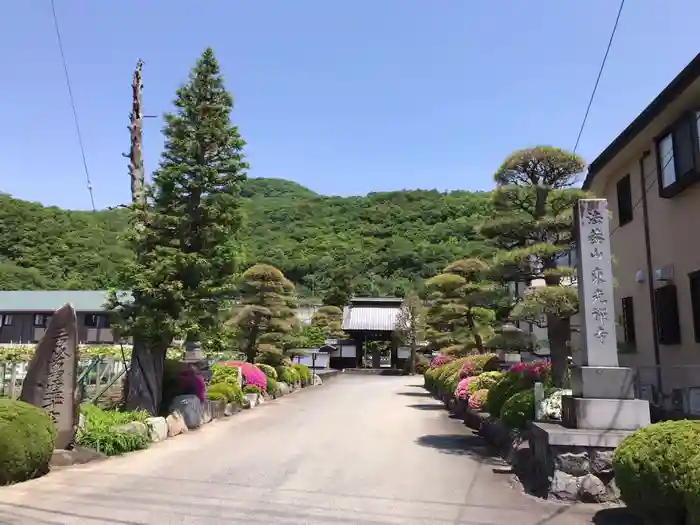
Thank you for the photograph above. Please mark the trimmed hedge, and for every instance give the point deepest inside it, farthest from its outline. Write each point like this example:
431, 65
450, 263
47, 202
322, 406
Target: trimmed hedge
27, 439
485, 381
288, 375
654, 470
304, 373
227, 392
518, 410
268, 370
500, 393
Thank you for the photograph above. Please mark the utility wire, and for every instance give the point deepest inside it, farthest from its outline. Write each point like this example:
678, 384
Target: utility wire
600, 73
72, 103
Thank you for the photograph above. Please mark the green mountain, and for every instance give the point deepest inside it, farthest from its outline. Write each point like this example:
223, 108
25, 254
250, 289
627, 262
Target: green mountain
382, 242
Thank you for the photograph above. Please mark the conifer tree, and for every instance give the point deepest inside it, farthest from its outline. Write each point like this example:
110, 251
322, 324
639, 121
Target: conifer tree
461, 313
186, 238
265, 316
330, 320
534, 232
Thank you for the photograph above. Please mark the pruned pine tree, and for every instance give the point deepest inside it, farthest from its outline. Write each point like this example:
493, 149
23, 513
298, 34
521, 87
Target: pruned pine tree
461, 314
330, 320
185, 236
265, 317
534, 232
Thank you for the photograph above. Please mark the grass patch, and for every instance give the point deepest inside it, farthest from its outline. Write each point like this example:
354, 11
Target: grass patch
100, 432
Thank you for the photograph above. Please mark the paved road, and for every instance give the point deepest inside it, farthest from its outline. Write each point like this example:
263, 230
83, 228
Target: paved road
356, 451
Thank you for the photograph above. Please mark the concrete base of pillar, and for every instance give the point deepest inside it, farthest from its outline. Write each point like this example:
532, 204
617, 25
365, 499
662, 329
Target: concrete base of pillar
602, 382
605, 414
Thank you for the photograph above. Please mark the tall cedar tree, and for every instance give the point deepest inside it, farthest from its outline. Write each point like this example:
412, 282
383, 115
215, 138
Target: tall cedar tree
534, 231
187, 249
410, 326
461, 314
265, 317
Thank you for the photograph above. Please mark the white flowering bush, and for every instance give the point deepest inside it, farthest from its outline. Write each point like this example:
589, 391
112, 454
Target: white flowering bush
551, 405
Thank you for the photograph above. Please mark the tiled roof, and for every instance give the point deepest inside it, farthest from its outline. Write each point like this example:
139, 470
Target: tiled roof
371, 318
49, 301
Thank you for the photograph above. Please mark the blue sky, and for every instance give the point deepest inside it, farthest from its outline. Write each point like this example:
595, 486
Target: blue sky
342, 97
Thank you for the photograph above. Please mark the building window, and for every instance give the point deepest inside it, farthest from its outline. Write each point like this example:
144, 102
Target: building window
668, 325
677, 151
7, 320
91, 320
41, 320
695, 302
628, 320
625, 209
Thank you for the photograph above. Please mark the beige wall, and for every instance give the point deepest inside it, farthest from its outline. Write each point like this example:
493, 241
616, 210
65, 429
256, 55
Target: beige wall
674, 229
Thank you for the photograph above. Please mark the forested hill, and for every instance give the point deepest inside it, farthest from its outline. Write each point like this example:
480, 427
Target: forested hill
379, 243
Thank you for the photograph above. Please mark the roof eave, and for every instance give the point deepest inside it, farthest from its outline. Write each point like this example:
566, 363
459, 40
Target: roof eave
679, 84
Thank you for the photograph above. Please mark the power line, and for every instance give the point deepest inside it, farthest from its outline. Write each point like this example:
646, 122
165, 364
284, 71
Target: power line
600, 73
72, 103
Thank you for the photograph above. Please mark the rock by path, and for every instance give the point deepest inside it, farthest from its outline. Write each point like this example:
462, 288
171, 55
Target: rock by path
361, 450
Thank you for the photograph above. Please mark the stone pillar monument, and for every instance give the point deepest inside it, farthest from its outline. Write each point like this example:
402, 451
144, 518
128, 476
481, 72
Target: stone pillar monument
51, 377
603, 392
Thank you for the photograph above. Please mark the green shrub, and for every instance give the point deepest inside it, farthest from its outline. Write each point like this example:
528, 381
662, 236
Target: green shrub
252, 389
500, 392
268, 370
227, 392
448, 375
518, 410
692, 491
304, 373
652, 468
287, 374
224, 374
483, 363
100, 432
422, 364
485, 381
27, 439
272, 387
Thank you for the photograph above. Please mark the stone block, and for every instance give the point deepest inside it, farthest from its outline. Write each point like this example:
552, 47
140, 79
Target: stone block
75, 456
135, 427
591, 489
564, 486
176, 424
572, 463
317, 380
252, 400
231, 409
601, 462
157, 428
191, 409
602, 382
206, 412
609, 414
554, 434
217, 409
283, 388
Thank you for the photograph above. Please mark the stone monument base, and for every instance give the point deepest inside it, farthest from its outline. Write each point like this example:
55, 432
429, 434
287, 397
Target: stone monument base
573, 464
605, 414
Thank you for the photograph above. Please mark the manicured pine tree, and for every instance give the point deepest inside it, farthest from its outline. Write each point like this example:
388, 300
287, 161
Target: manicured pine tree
265, 317
330, 320
534, 232
186, 239
461, 312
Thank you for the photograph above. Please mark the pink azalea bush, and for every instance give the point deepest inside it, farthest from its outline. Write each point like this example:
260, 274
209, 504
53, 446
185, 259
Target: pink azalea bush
191, 382
538, 371
252, 375
462, 390
440, 360
467, 370
477, 400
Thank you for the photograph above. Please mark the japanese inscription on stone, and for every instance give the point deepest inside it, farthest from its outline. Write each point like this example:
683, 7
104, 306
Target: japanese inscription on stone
595, 283
51, 376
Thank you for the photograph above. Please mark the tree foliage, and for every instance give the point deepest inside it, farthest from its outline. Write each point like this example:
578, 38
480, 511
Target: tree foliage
410, 326
533, 230
265, 315
329, 319
184, 237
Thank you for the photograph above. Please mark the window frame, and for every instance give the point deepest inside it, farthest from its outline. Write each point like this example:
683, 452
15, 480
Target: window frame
688, 119
4, 320
694, 279
668, 335
96, 317
44, 320
628, 323
626, 218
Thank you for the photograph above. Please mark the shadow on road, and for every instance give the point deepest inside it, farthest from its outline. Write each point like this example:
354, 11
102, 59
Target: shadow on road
414, 394
618, 516
458, 444
427, 406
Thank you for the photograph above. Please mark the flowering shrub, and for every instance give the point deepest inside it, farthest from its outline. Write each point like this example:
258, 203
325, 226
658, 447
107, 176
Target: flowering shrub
529, 373
462, 390
440, 360
191, 382
551, 406
467, 370
477, 401
252, 375
485, 381
518, 410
